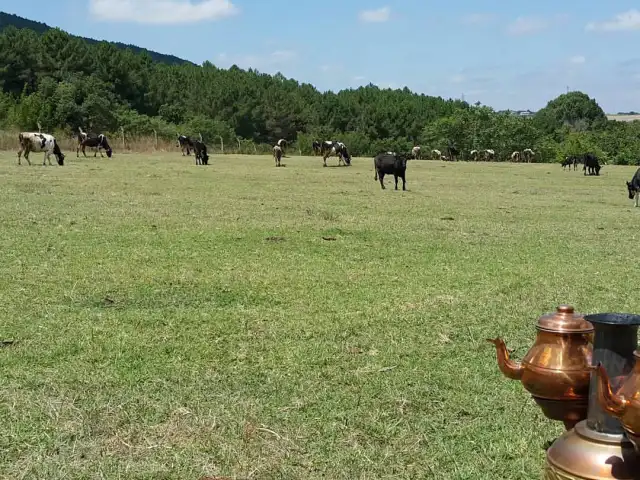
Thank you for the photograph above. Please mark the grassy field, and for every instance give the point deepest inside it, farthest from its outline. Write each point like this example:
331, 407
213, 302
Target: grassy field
173, 321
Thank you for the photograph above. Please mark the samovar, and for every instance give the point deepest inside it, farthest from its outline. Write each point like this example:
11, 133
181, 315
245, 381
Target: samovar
557, 368
624, 402
597, 448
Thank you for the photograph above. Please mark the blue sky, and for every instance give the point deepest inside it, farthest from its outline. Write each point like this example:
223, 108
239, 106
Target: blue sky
506, 54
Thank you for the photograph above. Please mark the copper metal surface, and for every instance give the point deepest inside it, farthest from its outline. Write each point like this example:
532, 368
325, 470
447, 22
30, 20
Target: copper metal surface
556, 370
584, 454
622, 399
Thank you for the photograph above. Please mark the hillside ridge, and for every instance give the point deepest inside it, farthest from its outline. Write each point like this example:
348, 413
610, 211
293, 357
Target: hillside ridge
10, 19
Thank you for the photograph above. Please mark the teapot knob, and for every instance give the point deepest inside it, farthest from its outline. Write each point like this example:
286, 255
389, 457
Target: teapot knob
564, 309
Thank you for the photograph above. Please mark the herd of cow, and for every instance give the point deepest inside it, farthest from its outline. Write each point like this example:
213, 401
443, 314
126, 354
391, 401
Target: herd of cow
385, 163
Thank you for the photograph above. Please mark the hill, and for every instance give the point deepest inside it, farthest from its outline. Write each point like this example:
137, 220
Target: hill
8, 19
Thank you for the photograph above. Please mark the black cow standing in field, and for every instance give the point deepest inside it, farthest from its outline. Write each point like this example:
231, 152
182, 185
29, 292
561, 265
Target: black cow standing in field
185, 144
591, 164
200, 151
453, 152
634, 187
316, 147
98, 143
572, 160
390, 163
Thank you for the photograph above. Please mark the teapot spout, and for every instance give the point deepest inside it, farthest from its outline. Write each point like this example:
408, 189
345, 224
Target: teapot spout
508, 367
616, 405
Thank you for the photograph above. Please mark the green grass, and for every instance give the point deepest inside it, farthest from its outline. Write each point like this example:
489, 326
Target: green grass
174, 321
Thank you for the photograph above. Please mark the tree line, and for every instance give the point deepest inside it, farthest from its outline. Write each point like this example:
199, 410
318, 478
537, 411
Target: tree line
63, 82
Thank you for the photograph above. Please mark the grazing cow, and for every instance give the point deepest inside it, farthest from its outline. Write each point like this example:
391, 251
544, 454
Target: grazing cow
97, 143
39, 142
415, 153
528, 155
489, 154
634, 187
568, 161
277, 154
200, 152
473, 154
452, 152
185, 144
436, 154
591, 164
338, 149
386, 163
316, 147
515, 157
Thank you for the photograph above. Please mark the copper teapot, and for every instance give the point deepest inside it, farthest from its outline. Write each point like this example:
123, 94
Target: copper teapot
556, 370
624, 404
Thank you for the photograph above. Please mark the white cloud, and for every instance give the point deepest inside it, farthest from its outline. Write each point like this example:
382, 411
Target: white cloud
161, 12
629, 20
479, 18
577, 59
375, 16
528, 25
267, 62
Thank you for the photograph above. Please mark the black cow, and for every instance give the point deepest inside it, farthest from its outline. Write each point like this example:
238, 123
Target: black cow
185, 144
316, 147
453, 152
634, 187
98, 143
390, 163
200, 151
568, 161
591, 163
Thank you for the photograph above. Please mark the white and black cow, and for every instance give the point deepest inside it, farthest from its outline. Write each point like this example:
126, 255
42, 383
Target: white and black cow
489, 154
392, 164
528, 155
515, 157
282, 143
634, 187
39, 142
337, 149
436, 154
185, 144
277, 154
200, 152
415, 152
316, 147
98, 144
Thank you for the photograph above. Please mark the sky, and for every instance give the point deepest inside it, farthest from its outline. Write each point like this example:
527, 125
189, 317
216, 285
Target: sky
505, 54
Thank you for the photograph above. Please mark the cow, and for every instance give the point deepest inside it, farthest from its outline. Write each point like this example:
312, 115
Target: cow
39, 142
489, 154
338, 149
316, 147
415, 152
282, 143
591, 164
185, 144
452, 152
634, 187
515, 157
528, 155
568, 161
436, 154
473, 154
277, 154
98, 143
386, 163
200, 152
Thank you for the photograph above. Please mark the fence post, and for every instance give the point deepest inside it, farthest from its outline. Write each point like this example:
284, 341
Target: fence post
199, 134
123, 145
239, 147
155, 134
221, 144
39, 128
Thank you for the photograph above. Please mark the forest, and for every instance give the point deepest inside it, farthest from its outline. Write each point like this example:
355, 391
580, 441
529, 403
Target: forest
63, 82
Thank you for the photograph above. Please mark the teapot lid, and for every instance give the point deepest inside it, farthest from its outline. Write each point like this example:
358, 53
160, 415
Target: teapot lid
564, 320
